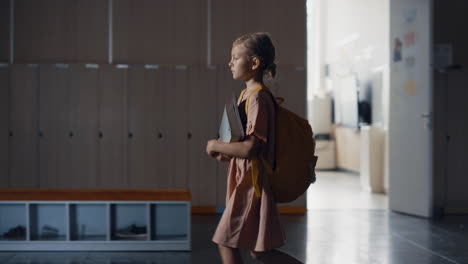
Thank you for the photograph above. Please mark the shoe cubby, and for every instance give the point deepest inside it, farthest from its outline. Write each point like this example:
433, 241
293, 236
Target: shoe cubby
47, 222
12, 222
129, 221
95, 220
88, 222
169, 222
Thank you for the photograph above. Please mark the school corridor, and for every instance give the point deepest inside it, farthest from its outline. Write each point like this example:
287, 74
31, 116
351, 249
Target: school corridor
336, 230
107, 108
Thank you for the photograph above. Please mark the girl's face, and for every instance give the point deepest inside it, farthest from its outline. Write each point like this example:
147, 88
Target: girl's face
241, 64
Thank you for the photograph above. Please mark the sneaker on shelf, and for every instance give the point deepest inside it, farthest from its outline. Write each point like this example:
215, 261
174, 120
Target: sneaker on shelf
49, 232
18, 232
132, 231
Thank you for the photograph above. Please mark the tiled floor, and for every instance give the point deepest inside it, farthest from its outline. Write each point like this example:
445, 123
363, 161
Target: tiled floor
333, 234
342, 190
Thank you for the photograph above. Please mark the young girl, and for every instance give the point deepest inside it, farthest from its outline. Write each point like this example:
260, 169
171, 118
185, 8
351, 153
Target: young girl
251, 219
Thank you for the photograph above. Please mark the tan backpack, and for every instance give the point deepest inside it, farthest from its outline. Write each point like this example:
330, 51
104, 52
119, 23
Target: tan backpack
295, 158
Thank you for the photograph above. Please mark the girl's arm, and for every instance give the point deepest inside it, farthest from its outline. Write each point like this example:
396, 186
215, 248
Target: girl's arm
242, 149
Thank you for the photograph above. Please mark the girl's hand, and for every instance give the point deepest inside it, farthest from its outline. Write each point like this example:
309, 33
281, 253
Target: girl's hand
210, 145
223, 158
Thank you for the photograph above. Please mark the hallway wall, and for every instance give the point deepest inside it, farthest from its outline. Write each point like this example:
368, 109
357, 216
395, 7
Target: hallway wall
73, 120
450, 110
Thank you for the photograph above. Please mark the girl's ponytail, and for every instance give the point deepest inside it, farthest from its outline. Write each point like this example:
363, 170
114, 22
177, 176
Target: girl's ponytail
271, 69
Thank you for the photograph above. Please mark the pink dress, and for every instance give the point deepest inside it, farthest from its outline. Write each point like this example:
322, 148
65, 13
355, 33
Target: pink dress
249, 221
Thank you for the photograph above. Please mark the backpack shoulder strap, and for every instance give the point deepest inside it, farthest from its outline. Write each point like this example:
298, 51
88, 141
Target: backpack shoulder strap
255, 161
248, 97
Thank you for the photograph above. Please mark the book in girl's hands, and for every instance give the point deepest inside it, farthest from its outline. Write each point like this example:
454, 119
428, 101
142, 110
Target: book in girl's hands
230, 129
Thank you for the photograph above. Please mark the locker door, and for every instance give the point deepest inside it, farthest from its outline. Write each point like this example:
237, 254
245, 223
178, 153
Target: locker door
175, 122
143, 116
291, 85
165, 168
202, 169
4, 124
113, 129
92, 26
83, 136
225, 88
53, 126
144, 31
290, 33
24, 126
189, 21
45, 31
228, 19
178, 97
257, 20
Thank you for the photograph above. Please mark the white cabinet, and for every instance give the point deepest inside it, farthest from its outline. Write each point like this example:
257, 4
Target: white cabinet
372, 158
94, 225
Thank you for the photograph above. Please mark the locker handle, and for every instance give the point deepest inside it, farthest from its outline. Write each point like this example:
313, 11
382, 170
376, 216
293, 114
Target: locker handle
11, 133
100, 134
41, 134
70, 134
189, 135
130, 135
160, 135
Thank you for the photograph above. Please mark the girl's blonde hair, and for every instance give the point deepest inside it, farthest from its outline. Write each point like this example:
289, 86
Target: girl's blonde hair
260, 45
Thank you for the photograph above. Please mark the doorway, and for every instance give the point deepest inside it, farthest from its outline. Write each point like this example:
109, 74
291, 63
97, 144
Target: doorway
347, 54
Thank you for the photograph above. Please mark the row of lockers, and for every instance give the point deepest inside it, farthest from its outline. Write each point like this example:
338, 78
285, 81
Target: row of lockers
120, 126
146, 31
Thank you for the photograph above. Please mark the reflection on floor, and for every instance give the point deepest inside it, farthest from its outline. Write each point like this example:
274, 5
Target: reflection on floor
342, 190
344, 225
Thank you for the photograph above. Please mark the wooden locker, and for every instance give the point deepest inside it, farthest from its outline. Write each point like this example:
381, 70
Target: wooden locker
291, 85
285, 21
190, 32
144, 114
228, 19
24, 82
4, 31
83, 135
272, 16
92, 31
4, 124
174, 127
162, 115
264, 16
163, 32
45, 31
177, 119
113, 127
143, 31
203, 126
137, 86
54, 126
291, 32
226, 87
